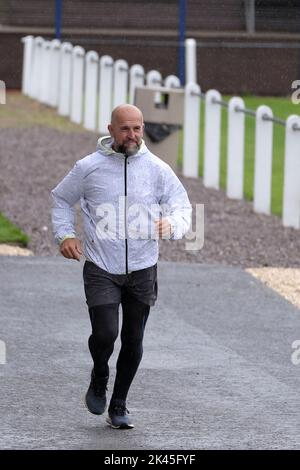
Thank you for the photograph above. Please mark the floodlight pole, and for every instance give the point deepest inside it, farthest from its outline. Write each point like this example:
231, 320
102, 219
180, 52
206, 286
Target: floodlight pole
58, 17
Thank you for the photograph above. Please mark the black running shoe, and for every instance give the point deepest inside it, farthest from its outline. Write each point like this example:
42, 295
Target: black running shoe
95, 397
118, 415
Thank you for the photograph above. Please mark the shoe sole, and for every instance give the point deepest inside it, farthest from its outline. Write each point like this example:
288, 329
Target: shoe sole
122, 426
92, 412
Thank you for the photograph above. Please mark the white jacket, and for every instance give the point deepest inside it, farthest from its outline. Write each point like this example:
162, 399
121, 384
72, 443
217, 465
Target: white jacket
120, 198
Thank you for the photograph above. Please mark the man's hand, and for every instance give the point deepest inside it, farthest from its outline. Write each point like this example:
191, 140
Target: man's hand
163, 228
71, 248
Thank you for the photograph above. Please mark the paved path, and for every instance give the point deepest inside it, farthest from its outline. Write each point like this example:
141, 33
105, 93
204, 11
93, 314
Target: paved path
216, 371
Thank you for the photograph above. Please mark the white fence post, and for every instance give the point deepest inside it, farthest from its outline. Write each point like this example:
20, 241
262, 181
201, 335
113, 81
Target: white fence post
171, 81
120, 88
190, 61
105, 93
154, 80
235, 149
191, 130
91, 90
55, 72
28, 51
263, 160
35, 84
212, 140
45, 75
78, 54
64, 97
136, 79
291, 188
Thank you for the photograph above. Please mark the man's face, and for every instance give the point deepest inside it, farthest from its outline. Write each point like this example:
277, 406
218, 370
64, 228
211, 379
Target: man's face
127, 131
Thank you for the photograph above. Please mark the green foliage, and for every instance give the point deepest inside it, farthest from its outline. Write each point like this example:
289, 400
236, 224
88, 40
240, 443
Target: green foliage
10, 233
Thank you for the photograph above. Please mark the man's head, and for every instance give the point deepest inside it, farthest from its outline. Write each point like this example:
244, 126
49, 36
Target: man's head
126, 128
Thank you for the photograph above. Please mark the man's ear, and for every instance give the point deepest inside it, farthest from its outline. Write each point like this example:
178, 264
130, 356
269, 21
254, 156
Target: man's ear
109, 127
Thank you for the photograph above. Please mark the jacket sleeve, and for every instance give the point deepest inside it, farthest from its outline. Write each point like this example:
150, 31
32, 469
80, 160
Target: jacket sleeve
175, 205
64, 197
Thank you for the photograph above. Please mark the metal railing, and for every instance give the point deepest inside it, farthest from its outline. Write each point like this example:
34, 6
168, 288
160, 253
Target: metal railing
249, 112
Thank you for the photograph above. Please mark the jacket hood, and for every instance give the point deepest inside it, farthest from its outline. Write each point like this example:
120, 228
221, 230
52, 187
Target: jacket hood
104, 145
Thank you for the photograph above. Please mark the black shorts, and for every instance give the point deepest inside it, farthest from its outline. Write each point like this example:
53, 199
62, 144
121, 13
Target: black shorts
102, 287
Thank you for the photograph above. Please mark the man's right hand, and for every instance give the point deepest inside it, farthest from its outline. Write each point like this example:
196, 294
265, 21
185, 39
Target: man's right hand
71, 248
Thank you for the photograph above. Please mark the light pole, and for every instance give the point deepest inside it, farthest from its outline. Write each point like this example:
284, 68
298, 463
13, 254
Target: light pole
58, 17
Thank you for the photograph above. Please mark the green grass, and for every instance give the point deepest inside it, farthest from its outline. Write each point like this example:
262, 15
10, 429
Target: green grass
23, 112
282, 108
10, 233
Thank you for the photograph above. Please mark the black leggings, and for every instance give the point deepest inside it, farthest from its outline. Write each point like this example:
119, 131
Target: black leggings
105, 329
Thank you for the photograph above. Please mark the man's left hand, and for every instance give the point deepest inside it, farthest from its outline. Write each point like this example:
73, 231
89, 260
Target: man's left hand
163, 228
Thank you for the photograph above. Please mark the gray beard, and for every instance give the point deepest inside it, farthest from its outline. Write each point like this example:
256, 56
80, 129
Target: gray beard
128, 152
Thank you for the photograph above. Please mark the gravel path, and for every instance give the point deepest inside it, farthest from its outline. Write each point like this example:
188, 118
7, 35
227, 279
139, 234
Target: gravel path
33, 160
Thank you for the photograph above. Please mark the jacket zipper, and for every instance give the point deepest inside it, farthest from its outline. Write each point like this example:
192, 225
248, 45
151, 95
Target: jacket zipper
125, 214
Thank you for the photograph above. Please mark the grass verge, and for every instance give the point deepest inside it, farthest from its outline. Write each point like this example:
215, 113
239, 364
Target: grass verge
10, 233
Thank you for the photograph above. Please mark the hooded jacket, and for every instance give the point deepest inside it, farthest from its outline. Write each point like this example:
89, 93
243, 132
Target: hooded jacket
120, 198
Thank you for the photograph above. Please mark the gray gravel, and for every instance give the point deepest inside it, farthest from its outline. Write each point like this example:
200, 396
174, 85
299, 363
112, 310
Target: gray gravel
216, 371
33, 160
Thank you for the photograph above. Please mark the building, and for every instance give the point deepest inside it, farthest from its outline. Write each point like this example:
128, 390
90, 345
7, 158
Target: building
250, 46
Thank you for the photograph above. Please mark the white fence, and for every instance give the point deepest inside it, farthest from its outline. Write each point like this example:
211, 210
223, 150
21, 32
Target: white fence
264, 122
83, 85
87, 87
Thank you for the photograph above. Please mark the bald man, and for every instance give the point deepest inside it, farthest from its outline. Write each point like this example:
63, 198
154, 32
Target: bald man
129, 199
